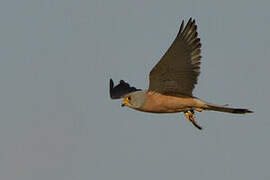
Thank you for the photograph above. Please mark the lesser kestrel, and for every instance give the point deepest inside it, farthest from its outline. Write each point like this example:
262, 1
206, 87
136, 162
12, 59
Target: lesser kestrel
172, 81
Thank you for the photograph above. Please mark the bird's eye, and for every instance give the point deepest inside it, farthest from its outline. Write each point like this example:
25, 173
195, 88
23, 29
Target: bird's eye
129, 98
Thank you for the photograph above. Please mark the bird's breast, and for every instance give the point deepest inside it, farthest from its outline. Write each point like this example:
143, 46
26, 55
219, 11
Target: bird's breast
159, 103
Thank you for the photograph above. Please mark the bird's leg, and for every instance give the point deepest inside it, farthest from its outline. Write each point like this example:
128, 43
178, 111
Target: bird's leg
190, 115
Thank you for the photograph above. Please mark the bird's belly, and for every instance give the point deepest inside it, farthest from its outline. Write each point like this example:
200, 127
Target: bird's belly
158, 103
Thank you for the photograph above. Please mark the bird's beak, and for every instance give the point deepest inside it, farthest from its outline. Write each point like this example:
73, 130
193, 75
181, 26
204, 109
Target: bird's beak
125, 102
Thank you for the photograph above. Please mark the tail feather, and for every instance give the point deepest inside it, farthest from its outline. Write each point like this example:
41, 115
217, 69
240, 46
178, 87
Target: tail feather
227, 109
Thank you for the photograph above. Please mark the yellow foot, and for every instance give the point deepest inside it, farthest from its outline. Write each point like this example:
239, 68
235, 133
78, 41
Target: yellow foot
191, 117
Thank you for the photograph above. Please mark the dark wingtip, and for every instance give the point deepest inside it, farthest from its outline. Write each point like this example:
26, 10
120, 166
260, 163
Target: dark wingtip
181, 27
111, 88
111, 84
120, 90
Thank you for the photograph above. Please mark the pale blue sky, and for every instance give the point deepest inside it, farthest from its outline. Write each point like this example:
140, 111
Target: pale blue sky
57, 121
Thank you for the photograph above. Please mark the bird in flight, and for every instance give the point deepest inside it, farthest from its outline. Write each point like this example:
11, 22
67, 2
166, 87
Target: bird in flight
172, 81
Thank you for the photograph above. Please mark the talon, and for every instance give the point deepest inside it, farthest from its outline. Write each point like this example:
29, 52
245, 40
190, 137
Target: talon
191, 117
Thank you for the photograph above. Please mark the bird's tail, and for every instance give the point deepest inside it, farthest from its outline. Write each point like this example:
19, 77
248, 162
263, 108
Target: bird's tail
214, 107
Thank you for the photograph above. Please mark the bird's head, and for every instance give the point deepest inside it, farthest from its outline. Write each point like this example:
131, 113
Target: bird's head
134, 100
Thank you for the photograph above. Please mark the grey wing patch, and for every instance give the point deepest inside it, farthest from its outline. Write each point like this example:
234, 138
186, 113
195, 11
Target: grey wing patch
120, 90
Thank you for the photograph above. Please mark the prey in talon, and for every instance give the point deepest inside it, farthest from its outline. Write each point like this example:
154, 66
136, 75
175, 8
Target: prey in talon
190, 115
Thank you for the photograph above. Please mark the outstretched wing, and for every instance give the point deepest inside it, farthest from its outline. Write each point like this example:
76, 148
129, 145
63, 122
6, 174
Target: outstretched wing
178, 70
120, 90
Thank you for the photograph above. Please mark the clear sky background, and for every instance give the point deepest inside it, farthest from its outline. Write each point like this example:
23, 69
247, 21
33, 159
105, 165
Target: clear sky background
58, 122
